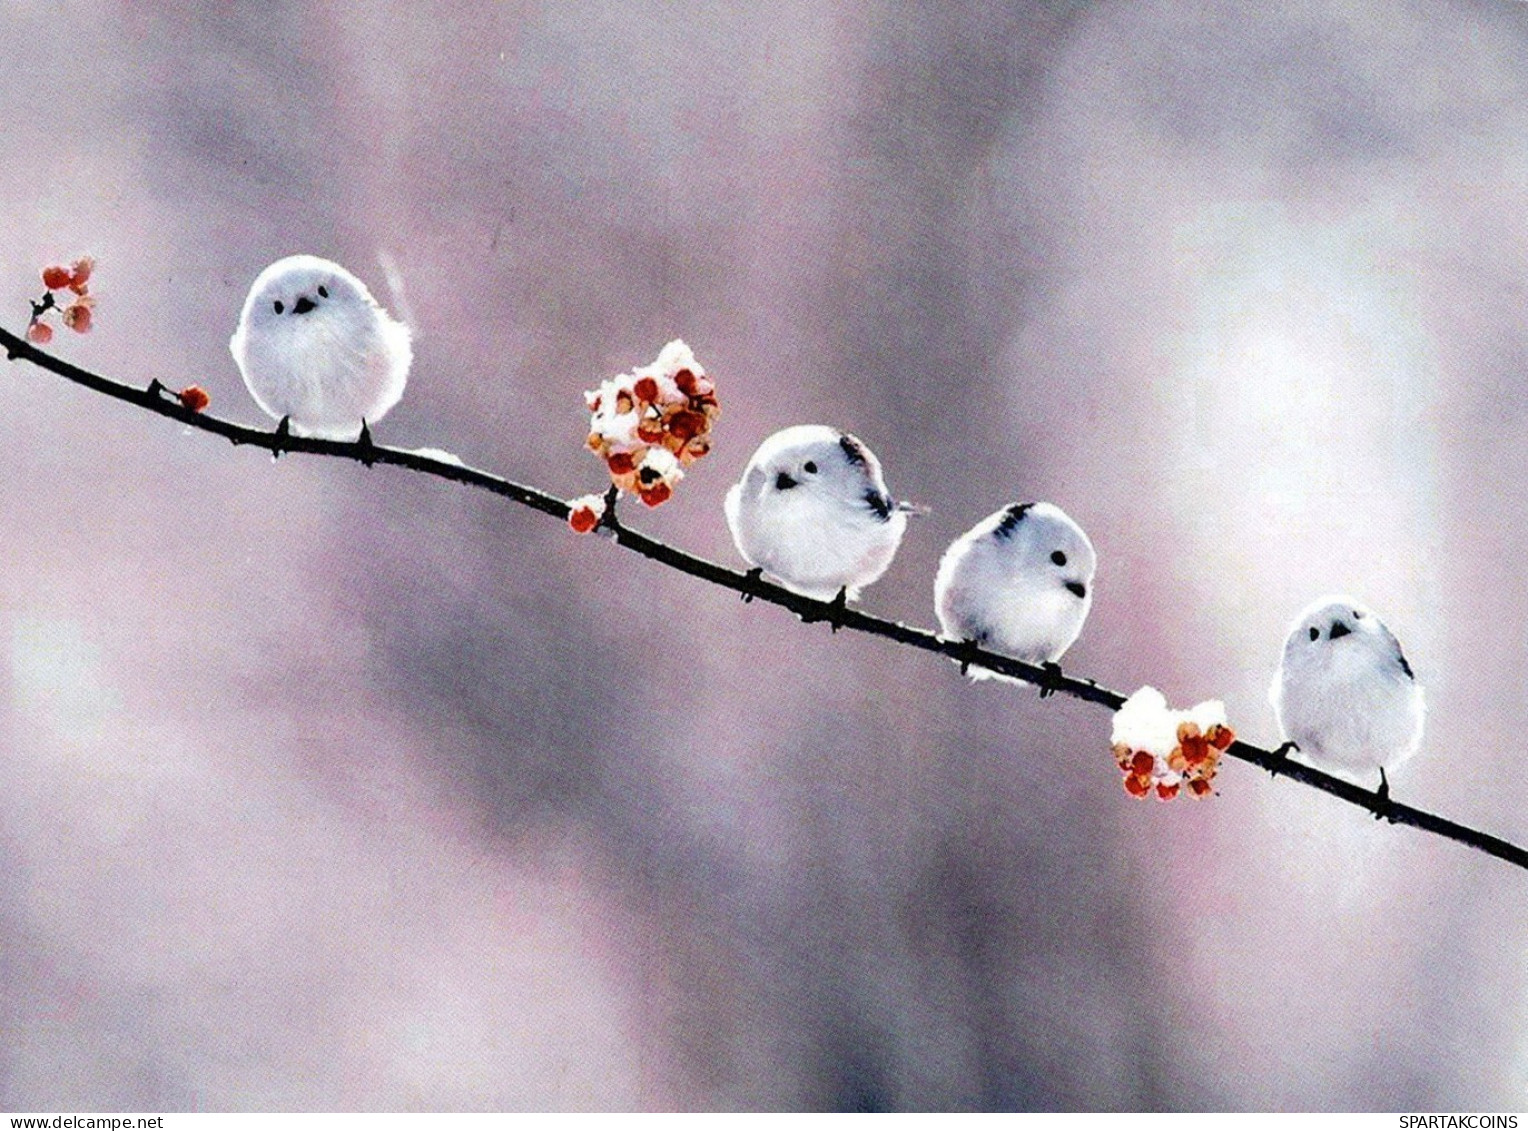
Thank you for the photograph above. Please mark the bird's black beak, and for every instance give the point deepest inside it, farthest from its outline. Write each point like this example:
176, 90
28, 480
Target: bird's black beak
784, 482
303, 305
1339, 630
1077, 588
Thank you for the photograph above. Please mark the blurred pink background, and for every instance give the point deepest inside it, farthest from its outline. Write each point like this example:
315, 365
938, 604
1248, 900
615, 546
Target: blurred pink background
335, 788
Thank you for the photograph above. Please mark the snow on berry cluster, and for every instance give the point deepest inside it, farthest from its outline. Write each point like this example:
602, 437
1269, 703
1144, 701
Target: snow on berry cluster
79, 312
1164, 752
649, 424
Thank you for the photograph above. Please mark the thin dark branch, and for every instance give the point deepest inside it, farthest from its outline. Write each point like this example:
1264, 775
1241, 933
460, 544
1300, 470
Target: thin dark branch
160, 399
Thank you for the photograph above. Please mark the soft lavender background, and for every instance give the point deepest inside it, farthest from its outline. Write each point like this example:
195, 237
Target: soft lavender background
335, 788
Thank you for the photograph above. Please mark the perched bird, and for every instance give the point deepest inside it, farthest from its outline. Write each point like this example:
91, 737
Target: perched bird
812, 511
317, 351
1345, 696
1019, 582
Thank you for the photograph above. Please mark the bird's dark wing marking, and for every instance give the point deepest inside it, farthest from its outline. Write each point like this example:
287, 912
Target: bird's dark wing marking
1011, 519
880, 503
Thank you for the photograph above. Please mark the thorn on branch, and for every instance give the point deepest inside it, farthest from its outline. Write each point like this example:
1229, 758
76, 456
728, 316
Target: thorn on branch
610, 520
367, 450
1280, 756
1052, 681
282, 433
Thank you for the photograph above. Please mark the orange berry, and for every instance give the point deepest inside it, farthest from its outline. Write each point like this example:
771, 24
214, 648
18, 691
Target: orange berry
79, 271
1166, 792
1221, 736
39, 333
1200, 787
77, 317
621, 463
194, 397
55, 278
646, 389
623, 403
1136, 786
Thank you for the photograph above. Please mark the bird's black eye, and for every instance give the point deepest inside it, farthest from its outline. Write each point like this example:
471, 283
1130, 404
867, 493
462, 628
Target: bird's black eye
1315, 634
1058, 557
323, 292
1357, 615
279, 307
809, 467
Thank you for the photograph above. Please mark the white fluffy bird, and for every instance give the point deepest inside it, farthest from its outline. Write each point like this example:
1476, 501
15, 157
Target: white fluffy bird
1344, 694
1019, 582
317, 350
812, 511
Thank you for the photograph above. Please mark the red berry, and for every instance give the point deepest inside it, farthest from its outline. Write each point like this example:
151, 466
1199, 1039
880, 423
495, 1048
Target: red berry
79, 272
583, 520
55, 278
77, 318
1143, 762
194, 397
646, 390
39, 333
656, 495
686, 424
621, 463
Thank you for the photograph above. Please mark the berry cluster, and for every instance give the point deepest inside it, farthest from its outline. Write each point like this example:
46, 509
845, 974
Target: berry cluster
1165, 752
79, 312
649, 424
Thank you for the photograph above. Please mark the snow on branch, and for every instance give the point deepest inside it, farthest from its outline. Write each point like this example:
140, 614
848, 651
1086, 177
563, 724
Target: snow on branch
187, 409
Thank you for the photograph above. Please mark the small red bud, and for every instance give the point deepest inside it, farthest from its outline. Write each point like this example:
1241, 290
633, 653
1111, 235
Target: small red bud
39, 333
55, 278
79, 272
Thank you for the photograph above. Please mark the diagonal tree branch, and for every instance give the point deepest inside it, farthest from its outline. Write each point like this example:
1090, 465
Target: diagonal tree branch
159, 399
